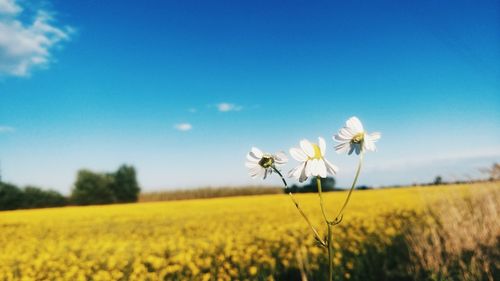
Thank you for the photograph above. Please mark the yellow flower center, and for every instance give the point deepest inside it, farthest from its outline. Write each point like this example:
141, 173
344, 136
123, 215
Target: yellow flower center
317, 152
358, 138
266, 161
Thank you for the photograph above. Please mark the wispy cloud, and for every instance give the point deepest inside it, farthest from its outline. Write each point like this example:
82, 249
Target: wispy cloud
193, 110
27, 45
184, 127
6, 129
226, 107
9, 7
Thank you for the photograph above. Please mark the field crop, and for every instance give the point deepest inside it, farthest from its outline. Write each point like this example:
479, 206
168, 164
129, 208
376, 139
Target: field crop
236, 238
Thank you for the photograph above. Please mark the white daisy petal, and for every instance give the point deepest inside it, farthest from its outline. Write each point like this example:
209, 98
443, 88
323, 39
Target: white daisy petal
330, 168
298, 154
343, 147
307, 147
280, 158
257, 152
251, 154
309, 167
306, 167
341, 138
346, 133
297, 171
291, 173
317, 167
322, 145
261, 173
303, 175
321, 168
375, 136
251, 164
355, 124
369, 145
255, 171
314, 167
252, 158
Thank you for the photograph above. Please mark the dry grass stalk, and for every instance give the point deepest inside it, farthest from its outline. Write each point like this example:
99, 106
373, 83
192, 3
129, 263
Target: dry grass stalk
207, 192
460, 240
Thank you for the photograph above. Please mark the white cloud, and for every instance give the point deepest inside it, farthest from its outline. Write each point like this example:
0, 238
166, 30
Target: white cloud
25, 46
6, 129
9, 7
184, 127
225, 107
193, 110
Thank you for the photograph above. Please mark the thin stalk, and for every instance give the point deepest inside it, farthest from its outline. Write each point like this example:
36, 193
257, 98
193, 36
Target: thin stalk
316, 234
318, 182
329, 237
296, 203
330, 253
339, 215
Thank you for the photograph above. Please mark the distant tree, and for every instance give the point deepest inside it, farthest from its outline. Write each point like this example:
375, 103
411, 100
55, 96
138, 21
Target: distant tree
92, 188
11, 197
98, 188
293, 189
35, 197
438, 180
55, 199
493, 173
125, 186
328, 184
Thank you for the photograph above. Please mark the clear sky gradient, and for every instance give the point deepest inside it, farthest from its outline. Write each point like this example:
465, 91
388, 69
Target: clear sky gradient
183, 89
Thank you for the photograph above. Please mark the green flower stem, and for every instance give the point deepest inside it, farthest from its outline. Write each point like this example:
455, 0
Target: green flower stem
330, 253
329, 237
316, 234
320, 192
340, 214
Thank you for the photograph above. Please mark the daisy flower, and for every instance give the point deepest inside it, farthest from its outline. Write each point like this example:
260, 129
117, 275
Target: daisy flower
261, 164
352, 137
312, 160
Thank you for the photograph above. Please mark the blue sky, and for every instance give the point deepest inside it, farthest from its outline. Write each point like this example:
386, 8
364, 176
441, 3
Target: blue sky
182, 89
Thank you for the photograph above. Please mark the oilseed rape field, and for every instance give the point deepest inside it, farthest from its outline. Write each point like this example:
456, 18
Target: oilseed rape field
238, 238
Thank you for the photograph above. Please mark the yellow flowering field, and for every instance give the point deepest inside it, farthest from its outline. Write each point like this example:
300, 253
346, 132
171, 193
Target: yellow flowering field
238, 238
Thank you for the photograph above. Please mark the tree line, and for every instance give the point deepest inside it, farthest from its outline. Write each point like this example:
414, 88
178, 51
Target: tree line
90, 188
327, 184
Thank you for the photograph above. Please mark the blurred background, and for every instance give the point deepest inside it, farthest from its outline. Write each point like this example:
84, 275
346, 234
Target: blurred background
182, 89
